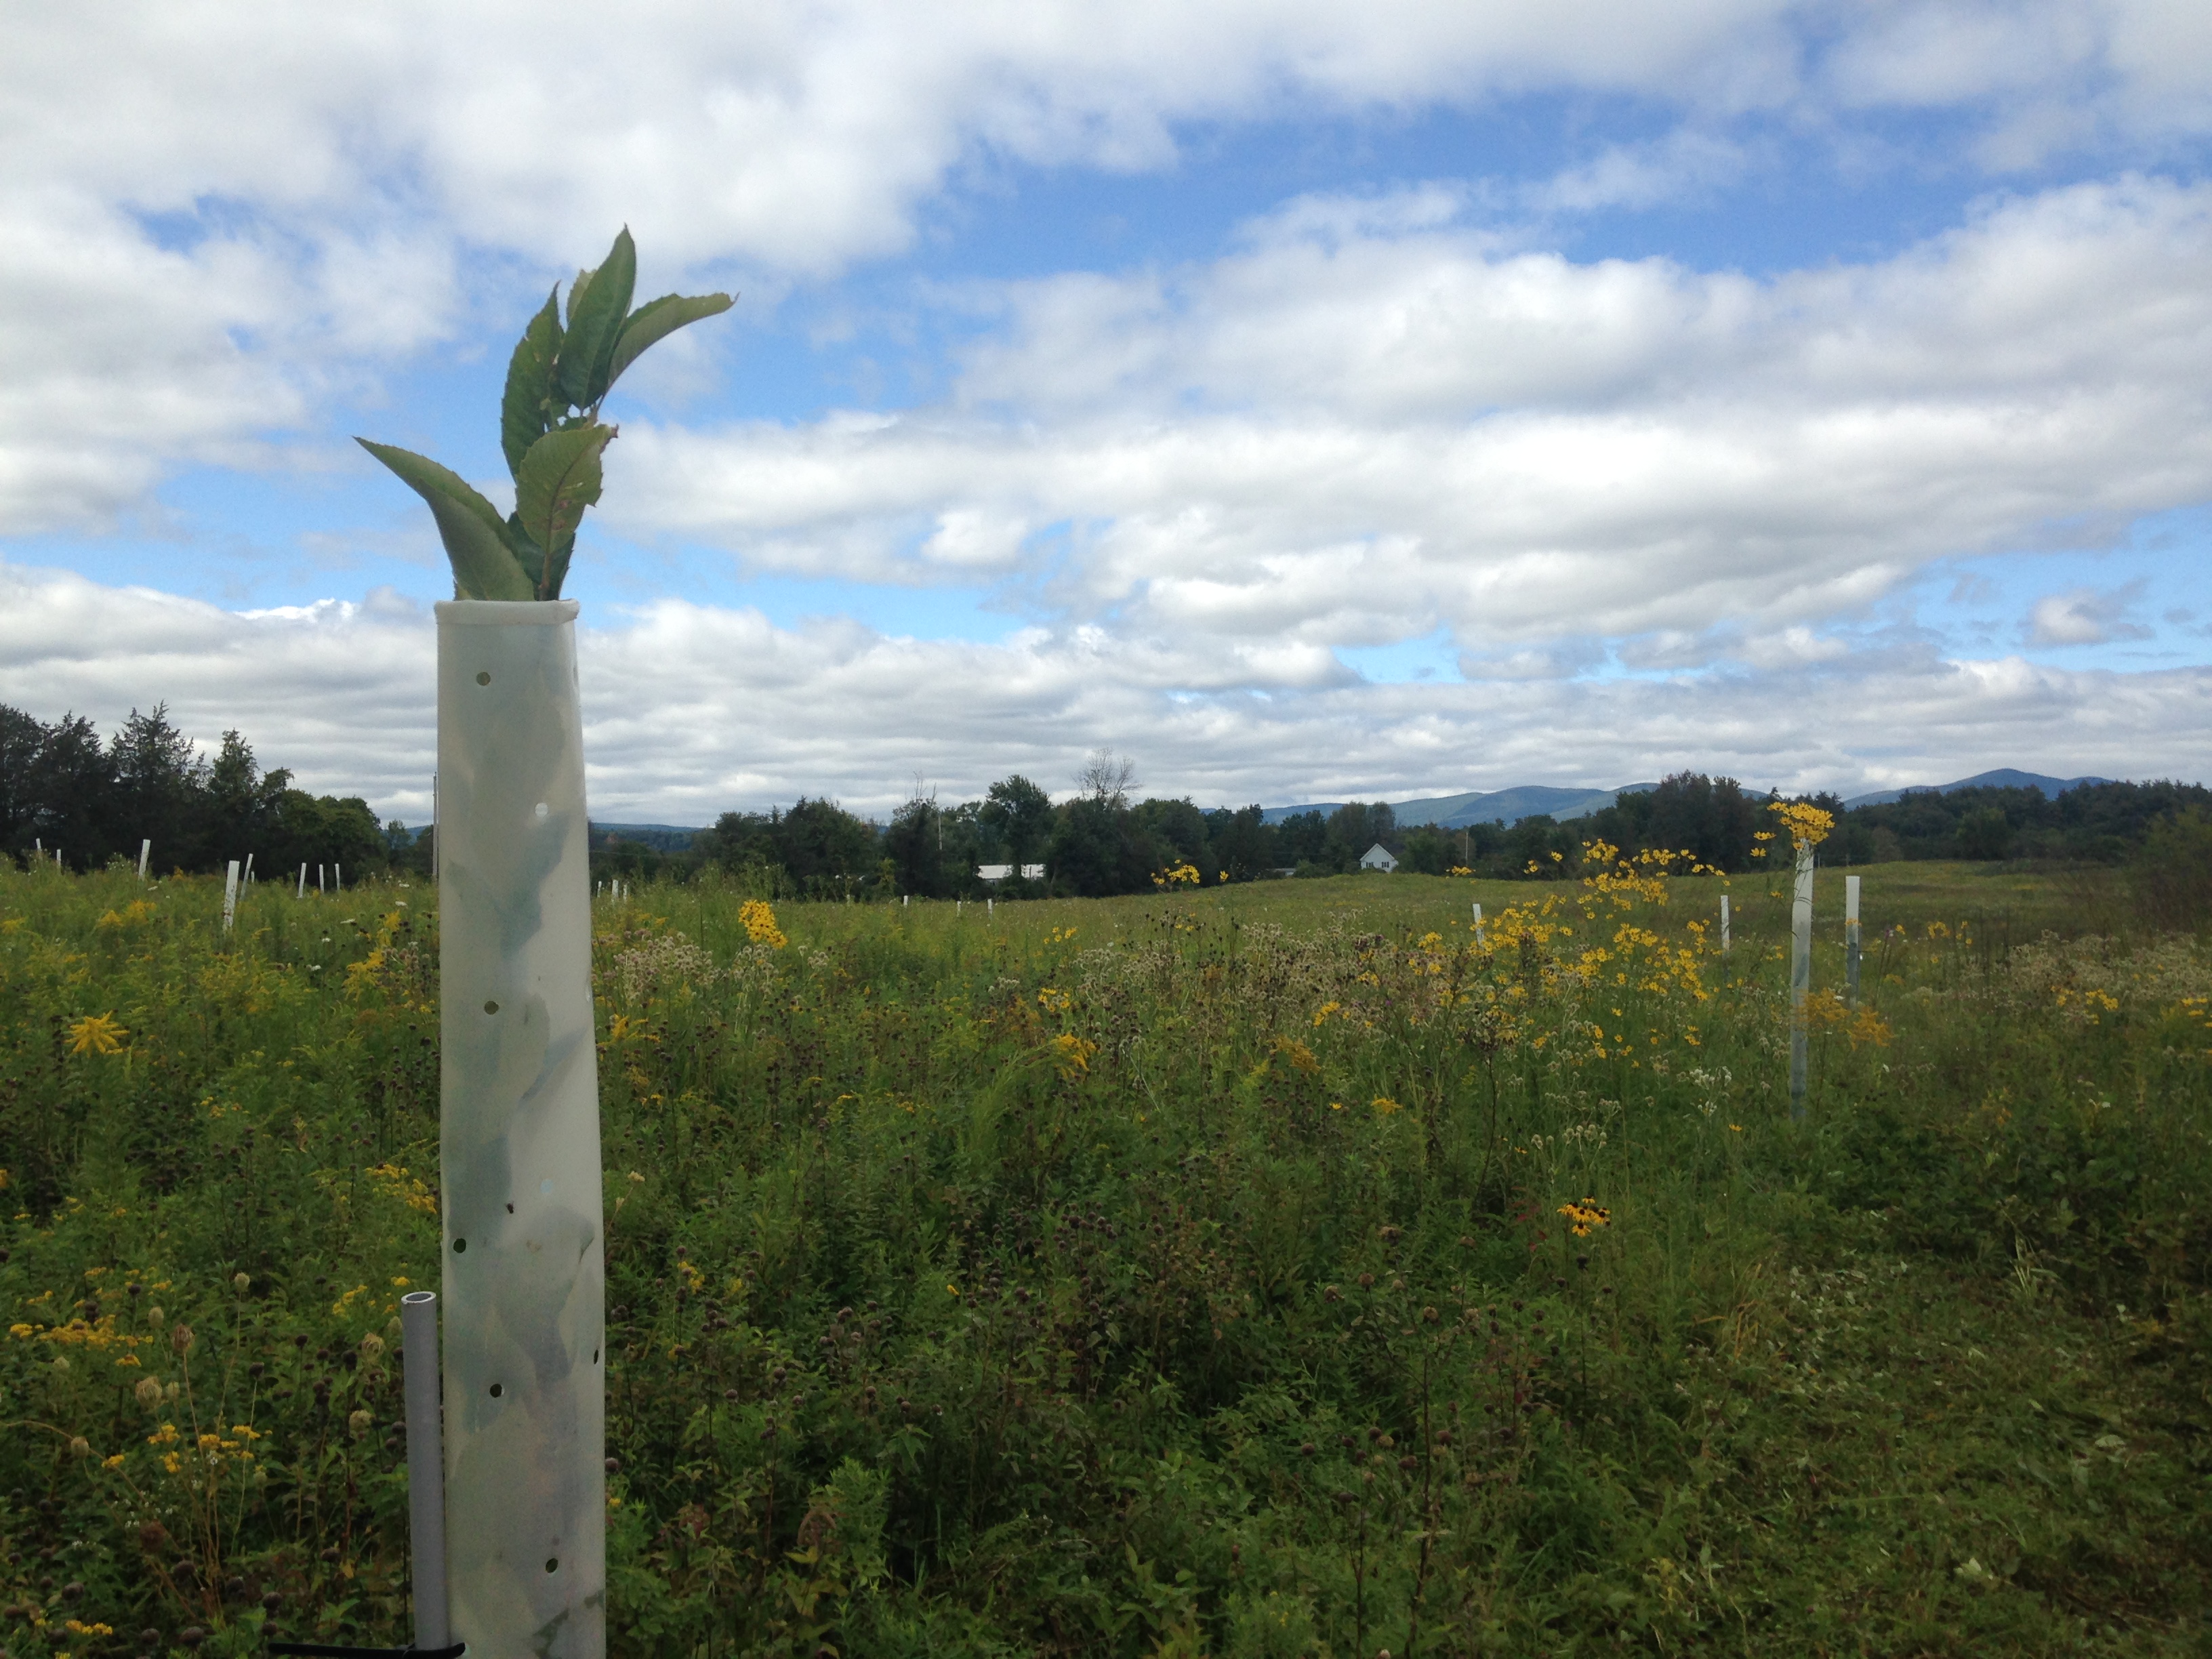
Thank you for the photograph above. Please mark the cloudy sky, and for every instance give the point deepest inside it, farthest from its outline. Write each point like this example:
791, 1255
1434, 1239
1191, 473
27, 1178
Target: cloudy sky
1309, 400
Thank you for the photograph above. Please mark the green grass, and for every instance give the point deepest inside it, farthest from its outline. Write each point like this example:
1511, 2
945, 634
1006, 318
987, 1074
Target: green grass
1176, 1275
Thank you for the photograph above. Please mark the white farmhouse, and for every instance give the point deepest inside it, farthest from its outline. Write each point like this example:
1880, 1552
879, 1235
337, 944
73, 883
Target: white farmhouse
1377, 857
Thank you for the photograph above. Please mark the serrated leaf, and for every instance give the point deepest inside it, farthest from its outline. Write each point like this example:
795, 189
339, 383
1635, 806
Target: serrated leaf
476, 539
595, 320
559, 478
524, 411
656, 319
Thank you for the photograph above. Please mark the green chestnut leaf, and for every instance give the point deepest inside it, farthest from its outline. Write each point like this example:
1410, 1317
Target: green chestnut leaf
525, 408
595, 320
558, 479
484, 563
656, 319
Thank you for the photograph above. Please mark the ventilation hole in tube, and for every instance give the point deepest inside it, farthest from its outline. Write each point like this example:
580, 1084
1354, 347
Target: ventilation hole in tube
491, 1007
497, 1390
543, 809
510, 1209
595, 1356
552, 1564
484, 676
460, 1244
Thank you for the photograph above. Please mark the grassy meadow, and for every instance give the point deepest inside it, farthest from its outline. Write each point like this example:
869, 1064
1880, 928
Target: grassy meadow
1269, 1270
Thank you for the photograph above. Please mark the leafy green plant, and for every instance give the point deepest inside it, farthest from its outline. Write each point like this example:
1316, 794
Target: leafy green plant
550, 430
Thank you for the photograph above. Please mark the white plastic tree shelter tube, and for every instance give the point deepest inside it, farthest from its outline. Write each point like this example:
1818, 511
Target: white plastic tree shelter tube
1478, 924
1724, 924
1801, 976
525, 1272
145, 852
1851, 939
230, 895
303, 881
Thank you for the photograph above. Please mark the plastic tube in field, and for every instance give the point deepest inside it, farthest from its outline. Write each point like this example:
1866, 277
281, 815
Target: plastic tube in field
1851, 939
525, 1271
1724, 924
1801, 974
230, 895
145, 853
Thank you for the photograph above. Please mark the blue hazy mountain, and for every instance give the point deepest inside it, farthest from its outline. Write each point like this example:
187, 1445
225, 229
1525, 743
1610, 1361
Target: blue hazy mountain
1483, 806
2004, 777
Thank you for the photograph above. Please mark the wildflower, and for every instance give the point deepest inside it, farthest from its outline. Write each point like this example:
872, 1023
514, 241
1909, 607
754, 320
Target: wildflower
149, 1393
371, 1348
182, 1339
357, 1424
1384, 1105
1585, 1218
1072, 1054
1808, 826
96, 1034
760, 924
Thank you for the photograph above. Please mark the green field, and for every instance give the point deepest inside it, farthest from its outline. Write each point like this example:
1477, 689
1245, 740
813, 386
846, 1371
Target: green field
1271, 1270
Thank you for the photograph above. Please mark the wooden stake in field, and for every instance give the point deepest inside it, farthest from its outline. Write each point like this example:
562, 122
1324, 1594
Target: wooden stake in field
1851, 940
230, 895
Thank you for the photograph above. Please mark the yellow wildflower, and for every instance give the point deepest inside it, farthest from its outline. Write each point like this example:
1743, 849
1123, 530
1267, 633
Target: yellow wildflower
96, 1034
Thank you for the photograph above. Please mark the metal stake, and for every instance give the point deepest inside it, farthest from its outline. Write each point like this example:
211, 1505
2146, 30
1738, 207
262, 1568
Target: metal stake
426, 1464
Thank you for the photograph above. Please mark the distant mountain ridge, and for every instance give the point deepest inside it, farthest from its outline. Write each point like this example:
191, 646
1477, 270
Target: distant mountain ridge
1483, 806
2004, 777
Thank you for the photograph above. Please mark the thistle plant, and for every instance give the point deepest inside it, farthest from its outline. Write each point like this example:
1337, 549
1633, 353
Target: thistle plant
550, 430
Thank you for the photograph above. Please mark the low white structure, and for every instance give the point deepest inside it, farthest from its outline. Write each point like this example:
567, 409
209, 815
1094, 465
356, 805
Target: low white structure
1000, 871
1377, 857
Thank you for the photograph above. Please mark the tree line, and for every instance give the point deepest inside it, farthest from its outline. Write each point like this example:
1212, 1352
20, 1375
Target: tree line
64, 791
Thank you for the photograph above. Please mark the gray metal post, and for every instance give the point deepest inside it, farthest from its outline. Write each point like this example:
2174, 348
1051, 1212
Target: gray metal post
1800, 977
426, 1465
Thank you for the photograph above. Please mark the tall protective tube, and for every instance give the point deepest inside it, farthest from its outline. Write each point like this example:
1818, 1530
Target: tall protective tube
525, 1272
1801, 976
1851, 940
